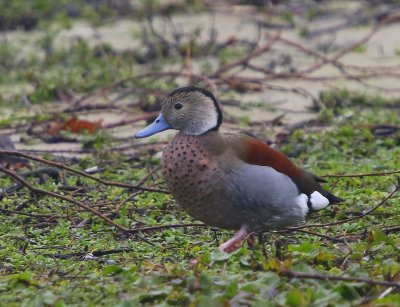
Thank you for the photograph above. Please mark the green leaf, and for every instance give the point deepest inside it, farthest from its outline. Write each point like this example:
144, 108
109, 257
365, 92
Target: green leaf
231, 289
296, 298
112, 270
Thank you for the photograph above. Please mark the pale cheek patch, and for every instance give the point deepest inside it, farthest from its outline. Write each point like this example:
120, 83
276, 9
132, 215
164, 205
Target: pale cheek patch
318, 201
301, 201
202, 119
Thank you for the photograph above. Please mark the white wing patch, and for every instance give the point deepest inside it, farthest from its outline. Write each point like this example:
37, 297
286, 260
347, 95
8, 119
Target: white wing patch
318, 201
301, 201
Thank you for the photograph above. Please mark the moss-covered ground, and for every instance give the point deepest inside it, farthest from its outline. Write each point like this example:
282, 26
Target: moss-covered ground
53, 253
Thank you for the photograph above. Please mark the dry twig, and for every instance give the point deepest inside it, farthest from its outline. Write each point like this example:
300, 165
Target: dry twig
78, 172
300, 275
382, 202
35, 190
361, 175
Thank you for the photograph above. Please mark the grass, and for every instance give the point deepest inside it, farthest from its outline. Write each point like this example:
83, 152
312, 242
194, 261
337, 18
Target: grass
30, 15
182, 266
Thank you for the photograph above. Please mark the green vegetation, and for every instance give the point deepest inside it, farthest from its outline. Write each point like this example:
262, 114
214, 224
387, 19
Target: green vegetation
360, 49
53, 253
29, 15
183, 265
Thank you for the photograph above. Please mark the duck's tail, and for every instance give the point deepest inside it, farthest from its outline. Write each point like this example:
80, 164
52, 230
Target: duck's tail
334, 199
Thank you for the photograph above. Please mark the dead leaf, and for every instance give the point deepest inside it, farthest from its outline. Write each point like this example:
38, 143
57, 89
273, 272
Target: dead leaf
242, 86
74, 125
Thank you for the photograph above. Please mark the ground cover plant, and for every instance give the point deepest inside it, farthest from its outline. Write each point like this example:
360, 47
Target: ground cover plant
85, 217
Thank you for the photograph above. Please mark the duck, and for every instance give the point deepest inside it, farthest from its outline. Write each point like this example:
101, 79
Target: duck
230, 181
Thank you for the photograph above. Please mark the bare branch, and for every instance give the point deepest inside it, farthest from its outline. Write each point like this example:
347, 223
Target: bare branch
383, 201
78, 172
300, 275
361, 175
162, 227
59, 196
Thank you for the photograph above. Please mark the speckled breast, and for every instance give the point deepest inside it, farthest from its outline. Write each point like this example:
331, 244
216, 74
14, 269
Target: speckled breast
192, 177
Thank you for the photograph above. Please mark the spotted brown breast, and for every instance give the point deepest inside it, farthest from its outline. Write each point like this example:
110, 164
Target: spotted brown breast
193, 178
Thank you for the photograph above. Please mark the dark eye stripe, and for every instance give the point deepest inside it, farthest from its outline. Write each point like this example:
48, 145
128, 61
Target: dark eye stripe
178, 105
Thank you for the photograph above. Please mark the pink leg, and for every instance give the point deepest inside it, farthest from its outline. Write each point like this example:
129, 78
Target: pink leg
235, 242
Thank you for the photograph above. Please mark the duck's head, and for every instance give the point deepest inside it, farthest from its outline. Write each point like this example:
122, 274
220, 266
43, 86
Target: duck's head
191, 110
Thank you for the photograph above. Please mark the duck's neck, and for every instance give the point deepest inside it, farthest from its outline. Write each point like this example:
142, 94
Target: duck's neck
211, 140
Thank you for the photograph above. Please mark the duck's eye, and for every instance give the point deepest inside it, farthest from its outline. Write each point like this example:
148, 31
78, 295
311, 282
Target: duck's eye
178, 105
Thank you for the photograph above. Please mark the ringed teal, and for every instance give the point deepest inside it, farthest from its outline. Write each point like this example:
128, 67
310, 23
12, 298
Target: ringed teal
230, 181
